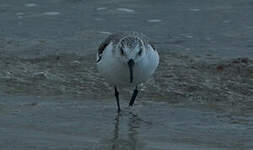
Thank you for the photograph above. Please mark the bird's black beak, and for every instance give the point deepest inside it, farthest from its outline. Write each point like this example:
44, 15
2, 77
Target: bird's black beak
130, 65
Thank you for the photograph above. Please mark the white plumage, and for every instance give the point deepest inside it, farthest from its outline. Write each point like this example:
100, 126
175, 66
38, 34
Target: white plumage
125, 51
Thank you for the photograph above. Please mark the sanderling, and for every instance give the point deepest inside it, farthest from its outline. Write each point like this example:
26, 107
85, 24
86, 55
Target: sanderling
127, 59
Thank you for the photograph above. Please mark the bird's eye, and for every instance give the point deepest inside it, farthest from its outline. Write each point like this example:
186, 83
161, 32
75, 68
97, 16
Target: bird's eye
122, 51
140, 52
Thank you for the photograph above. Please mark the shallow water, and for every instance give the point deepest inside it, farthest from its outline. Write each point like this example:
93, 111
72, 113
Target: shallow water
221, 28
52, 123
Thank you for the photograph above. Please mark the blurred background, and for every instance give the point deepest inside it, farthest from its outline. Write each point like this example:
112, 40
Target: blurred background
214, 27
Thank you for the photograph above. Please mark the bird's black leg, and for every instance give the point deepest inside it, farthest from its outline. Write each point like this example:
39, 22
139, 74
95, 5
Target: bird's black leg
133, 96
117, 97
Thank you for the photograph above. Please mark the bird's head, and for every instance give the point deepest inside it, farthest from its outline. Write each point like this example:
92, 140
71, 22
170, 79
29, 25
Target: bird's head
131, 50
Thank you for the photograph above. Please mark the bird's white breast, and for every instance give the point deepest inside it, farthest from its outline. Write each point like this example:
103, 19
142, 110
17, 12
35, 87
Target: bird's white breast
117, 71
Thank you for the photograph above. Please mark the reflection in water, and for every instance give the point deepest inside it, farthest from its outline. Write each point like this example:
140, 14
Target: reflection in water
133, 125
132, 133
116, 132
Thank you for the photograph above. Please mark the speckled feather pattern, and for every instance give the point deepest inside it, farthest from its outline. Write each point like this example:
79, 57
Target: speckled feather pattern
115, 39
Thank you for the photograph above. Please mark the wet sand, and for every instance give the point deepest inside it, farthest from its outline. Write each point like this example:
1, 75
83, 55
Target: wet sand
52, 96
181, 79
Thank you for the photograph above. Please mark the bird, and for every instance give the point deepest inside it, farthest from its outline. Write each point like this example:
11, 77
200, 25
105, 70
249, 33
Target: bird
127, 59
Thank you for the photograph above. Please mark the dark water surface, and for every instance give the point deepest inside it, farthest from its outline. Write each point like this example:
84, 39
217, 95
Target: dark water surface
221, 28
52, 97
51, 123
